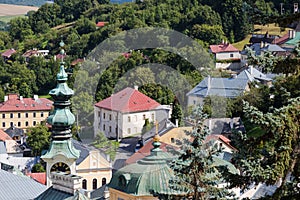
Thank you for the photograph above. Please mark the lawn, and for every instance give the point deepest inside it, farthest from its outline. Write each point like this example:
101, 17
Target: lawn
260, 29
6, 19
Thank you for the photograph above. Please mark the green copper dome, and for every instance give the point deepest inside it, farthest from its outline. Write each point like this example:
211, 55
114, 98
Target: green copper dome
148, 176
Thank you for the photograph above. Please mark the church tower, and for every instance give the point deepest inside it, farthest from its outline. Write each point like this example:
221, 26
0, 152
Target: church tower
61, 155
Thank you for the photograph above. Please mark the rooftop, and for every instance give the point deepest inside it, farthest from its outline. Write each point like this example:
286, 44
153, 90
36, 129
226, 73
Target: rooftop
16, 103
219, 48
128, 100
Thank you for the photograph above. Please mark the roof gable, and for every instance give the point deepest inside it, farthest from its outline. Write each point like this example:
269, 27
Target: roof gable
4, 136
128, 100
220, 48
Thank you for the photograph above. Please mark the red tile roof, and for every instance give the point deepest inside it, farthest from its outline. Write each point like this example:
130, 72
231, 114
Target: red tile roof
224, 139
282, 39
15, 103
29, 53
100, 24
78, 60
128, 100
145, 151
8, 53
39, 177
219, 48
4, 136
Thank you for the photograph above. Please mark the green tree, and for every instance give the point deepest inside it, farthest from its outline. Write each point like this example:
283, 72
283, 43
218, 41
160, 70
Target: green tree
38, 139
38, 167
108, 146
269, 151
176, 113
195, 169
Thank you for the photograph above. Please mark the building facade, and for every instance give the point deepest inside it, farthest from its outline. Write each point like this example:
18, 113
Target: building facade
124, 113
23, 112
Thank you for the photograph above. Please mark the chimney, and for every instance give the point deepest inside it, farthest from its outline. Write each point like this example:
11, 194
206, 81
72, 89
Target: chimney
21, 98
136, 87
223, 41
233, 76
209, 124
251, 69
5, 98
208, 82
231, 123
68, 183
176, 122
35, 97
262, 45
292, 34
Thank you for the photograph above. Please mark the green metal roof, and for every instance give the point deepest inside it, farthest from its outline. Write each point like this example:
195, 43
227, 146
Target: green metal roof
61, 117
53, 194
295, 40
149, 175
61, 147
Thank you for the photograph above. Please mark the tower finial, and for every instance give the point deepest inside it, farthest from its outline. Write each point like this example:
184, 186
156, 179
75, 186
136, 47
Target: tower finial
62, 51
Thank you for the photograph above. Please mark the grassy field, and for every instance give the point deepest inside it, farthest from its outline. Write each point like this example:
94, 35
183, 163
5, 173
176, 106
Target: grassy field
13, 10
259, 29
6, 19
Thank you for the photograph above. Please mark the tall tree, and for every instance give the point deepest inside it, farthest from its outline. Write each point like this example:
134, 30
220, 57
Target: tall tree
38, 139
195, 169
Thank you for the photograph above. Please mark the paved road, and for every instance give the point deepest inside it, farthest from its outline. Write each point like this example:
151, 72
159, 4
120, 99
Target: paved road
125, 150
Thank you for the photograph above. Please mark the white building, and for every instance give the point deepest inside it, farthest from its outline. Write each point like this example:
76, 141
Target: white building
123, 114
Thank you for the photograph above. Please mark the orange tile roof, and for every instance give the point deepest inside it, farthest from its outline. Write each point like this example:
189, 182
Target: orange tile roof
219, 48
4, 136
145, 151
224, 139
39, 177
128, 100
15, 103
8, 53
100, 24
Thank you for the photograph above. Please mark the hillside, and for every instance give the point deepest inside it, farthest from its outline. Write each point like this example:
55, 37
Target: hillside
24, 2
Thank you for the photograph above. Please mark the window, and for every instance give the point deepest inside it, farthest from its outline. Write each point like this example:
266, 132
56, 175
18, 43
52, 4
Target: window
103, 127
135, 129
11, 124
3, 116
103, 115
19, 115
144, 117
3, 124
99, 114
26, 115
34, 123
172, 140
128, 130
152, 116
194, 102
135, 116
19, 124
231, 55
129, 119
84, 184
26, 123
109, 117
11, 115
103, 181
34, 114
110, 129
94, 184
42, 114
116, 130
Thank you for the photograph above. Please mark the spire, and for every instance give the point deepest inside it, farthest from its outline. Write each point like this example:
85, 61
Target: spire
156, 144
61, 118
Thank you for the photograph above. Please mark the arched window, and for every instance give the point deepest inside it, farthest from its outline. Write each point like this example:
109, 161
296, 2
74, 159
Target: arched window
84, 184
103, 181
94, 184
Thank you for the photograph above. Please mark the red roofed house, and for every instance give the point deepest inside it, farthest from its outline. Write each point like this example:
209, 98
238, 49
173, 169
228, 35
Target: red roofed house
100, 24
23, 112
8, 53
123, 114
225, 51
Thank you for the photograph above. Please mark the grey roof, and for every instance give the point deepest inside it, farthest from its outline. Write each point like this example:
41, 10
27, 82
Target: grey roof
53, 194
16, 187
226, 87
268, 47
13, 131
163, 127
224, 125
252, 74
98, 194
84, 151
2, 148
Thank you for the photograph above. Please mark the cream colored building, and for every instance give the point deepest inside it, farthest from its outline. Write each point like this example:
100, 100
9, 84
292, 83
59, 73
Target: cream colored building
124, 113
23, 112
